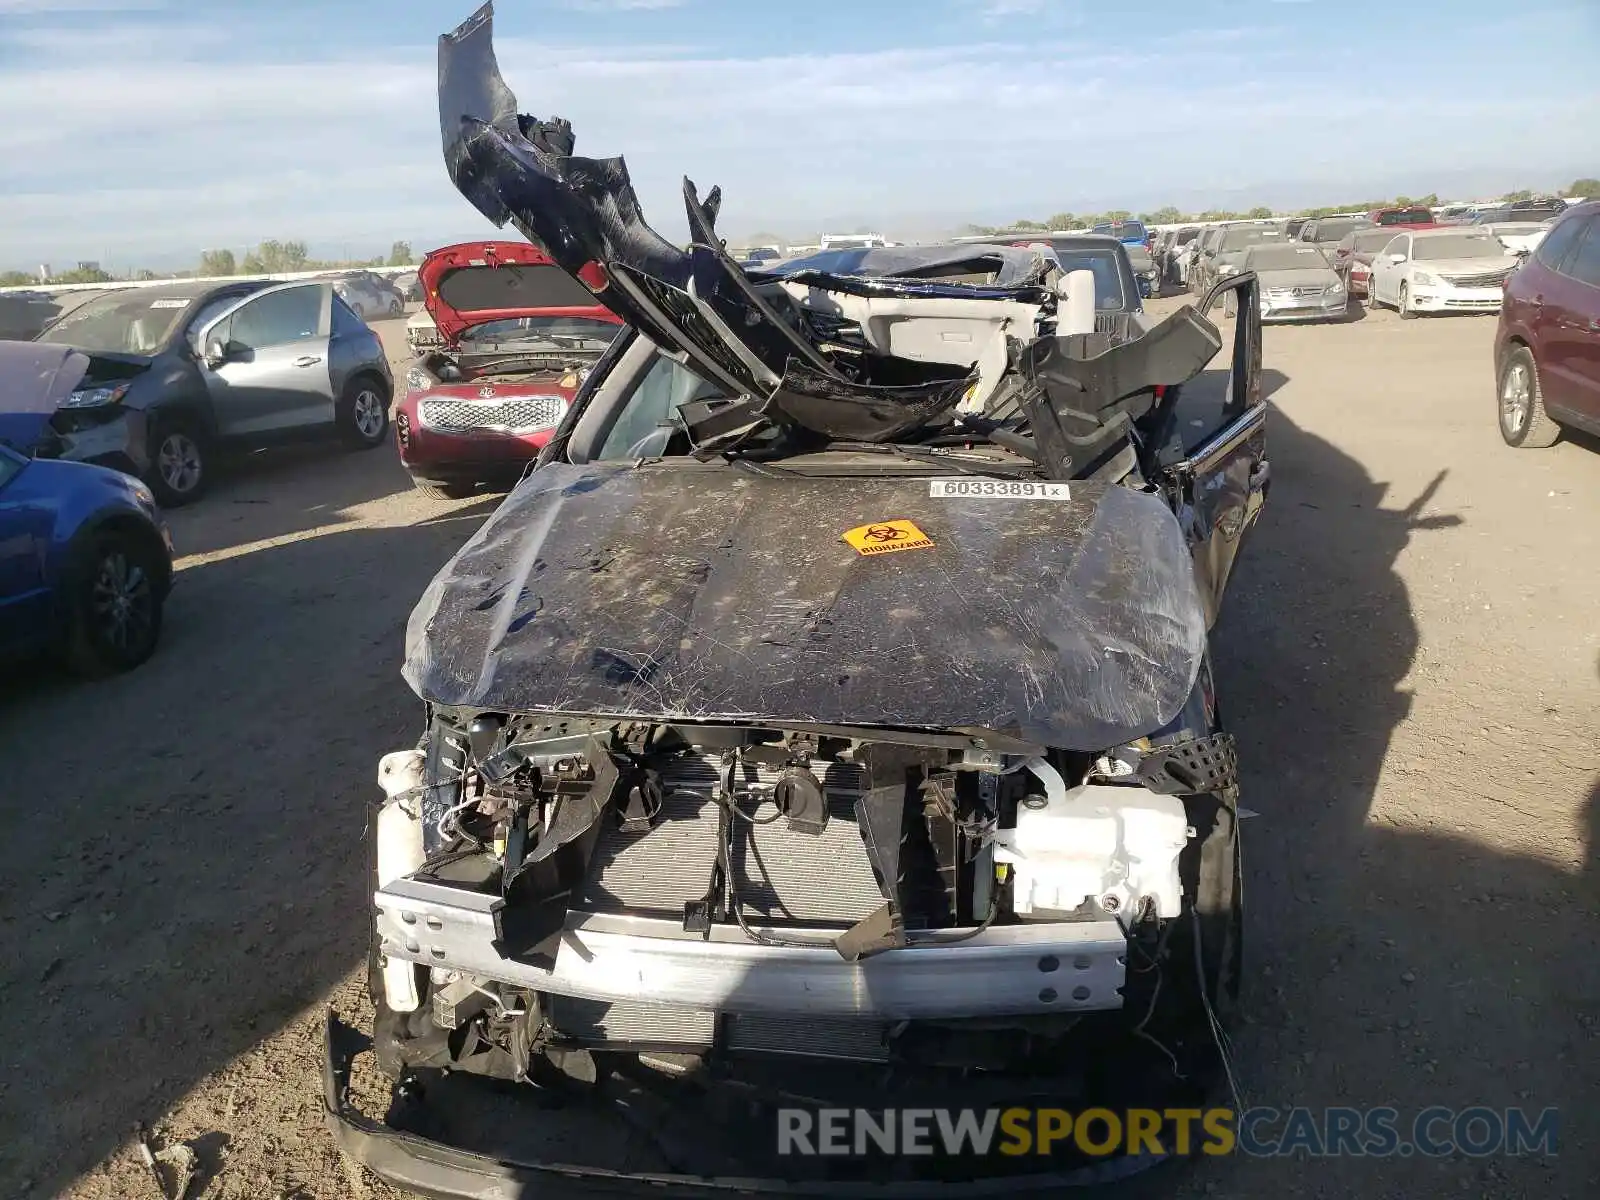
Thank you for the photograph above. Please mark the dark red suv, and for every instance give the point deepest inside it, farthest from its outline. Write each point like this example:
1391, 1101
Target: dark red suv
1547, 350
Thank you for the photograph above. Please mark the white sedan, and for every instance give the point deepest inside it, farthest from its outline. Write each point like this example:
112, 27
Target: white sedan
1519, 237
1453, 269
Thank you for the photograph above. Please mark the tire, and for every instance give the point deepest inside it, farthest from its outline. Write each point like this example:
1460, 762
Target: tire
115, 604
1526, 425
180, 469
363, 412
1407, 313
396, 307
1372, 295
434, 490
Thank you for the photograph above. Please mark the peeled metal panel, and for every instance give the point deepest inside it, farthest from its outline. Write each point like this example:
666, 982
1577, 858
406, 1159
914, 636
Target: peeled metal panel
631, 1021
784, 877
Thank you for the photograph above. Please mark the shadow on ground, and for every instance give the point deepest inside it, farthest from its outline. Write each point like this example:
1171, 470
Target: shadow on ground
1384, 966
184, 867
284, 490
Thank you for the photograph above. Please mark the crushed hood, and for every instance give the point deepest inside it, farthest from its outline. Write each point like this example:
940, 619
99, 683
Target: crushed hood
674, 591
473, 283
35, 378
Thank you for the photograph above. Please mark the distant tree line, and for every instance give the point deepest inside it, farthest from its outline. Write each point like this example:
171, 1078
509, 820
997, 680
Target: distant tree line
273, 257
1171, 215
270, 257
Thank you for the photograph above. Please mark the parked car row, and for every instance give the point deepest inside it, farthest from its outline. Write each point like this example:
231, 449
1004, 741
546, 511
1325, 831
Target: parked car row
1354, 247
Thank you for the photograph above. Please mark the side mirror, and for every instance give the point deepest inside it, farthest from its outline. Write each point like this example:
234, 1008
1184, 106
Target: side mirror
1397, 258
216, 353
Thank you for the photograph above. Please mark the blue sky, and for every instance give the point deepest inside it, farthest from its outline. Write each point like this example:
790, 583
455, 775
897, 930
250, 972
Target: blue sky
140, 132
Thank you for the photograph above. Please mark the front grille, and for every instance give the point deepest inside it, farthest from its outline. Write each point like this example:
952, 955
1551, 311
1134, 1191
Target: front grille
1295, 293
784, 877
1490, 279
518, 414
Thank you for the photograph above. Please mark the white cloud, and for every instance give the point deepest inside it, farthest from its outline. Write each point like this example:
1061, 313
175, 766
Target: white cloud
184, 148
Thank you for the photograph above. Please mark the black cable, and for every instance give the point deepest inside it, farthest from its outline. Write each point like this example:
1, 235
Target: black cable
988, 920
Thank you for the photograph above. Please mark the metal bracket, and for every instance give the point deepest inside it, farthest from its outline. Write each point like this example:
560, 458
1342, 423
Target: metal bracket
1208, 764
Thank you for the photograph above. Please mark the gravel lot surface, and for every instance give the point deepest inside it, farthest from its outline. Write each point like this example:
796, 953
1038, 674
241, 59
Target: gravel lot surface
1410, 656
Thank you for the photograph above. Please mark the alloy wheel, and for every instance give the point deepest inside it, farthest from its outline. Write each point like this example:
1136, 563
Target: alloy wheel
122, 602
178, 461
1516, 399
368, 413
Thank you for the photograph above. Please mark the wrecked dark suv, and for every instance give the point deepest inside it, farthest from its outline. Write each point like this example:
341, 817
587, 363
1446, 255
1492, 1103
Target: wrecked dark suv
826, 721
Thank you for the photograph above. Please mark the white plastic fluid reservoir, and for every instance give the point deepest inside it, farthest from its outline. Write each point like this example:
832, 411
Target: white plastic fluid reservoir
1093, 842
400, 852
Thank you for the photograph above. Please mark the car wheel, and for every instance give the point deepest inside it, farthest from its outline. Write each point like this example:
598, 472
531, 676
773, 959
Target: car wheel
1523, 421
116, 605
179, 473
395, 306
435, 490
1407, 313
363, 412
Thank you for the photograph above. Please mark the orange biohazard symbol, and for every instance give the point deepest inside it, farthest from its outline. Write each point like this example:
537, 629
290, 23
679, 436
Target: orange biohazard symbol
884, 537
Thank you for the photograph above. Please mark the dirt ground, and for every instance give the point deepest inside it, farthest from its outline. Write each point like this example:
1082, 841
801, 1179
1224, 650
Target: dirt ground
1410, 657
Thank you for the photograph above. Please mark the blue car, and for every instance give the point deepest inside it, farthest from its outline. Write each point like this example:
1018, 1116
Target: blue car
85, 557
1136, 238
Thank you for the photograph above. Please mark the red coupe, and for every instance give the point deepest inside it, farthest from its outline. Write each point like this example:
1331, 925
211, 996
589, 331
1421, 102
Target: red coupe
519, 335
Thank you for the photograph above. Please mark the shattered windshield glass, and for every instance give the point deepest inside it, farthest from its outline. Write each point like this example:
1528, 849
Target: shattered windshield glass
130, 322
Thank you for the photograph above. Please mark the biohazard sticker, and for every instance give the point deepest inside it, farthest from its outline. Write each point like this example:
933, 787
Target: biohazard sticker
885, 537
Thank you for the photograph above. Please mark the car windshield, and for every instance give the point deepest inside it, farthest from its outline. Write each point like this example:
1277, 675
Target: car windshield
1283, 258
1238, 239
1372, 239
1102, 261
126, 322
1458, 245
1122, 230
540, 334
1332, 231
1406, 216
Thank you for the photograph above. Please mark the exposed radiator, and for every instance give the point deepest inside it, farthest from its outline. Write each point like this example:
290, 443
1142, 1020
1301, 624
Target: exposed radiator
597, 1021
783, 877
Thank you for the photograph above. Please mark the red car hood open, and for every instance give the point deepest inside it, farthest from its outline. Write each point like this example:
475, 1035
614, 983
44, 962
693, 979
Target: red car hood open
472, 283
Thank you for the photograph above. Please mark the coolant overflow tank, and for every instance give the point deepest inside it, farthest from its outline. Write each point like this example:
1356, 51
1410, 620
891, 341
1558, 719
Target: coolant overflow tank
1116, 845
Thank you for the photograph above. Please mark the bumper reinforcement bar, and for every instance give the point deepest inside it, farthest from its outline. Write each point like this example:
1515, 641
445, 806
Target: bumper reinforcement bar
1004, 971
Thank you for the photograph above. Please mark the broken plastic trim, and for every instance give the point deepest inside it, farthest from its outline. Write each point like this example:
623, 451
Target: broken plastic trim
444, 1172
521, 169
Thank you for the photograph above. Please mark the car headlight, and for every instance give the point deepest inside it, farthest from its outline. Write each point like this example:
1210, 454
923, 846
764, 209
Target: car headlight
1227, 269
418, 380
95, 397
1336, 288
1423, 278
